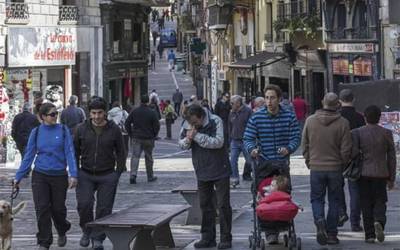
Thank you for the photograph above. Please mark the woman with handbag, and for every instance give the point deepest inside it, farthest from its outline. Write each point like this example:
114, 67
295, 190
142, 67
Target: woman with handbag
170, 117
378, 172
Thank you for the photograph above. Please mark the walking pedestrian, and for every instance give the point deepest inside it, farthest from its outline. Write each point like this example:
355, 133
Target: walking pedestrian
142, 126
301, 109
153, 60
286, 103
204, 103
160, 50
155, 107
326, 159
72, 115
356, 120
238, 118
119, 116
259, 102
154, 95
378, 172
203, 133
177, 98
51, 147
222, 109
271, 135
171, 60
100, 150
22, 126
170, 117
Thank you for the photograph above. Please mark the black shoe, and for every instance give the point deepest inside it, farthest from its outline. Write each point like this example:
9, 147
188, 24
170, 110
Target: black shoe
97, 245
247, 178
85, 240
132, 180
224, 245
205, 244
272, 239
332, 240
322, 235
356, 228
62, 240
342, 219
380, 235
151, 179
370, 240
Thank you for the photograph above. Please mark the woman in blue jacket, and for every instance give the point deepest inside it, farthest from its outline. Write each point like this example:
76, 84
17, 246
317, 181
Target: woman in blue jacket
51, 147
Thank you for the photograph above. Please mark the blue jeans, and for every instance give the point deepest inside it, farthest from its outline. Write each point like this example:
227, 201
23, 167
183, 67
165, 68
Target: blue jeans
320, 182
355, 208
237, 147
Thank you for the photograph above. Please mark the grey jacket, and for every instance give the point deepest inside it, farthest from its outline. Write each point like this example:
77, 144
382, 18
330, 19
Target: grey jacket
379, 155
238, 121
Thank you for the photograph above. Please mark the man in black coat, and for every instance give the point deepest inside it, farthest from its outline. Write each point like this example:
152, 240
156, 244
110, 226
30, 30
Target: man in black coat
142, 126
222, 109
22, 126
356, 120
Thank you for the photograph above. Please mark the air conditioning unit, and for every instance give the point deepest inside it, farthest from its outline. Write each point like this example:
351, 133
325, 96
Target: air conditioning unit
221, 75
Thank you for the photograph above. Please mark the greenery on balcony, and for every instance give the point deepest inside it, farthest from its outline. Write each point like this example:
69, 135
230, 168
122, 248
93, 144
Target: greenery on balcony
308, 24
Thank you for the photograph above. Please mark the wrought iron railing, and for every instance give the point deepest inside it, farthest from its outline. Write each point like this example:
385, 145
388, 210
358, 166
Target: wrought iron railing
17, 13
68, 14
362, 32
298, 8
268, 37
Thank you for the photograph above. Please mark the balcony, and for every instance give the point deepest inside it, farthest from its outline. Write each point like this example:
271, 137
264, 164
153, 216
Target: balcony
17, 13
68, 14
295, 9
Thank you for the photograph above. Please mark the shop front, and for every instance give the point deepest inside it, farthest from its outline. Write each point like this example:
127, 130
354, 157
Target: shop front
39, 61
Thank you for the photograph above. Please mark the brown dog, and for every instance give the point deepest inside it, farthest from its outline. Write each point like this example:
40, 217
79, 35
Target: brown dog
6, 217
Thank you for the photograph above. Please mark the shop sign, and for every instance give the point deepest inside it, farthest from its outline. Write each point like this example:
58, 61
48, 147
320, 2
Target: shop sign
41, 46
351, 47
362, 67
340, 66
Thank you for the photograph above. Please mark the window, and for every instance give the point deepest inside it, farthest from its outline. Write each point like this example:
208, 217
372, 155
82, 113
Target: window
268, 36
117, 36
137, 38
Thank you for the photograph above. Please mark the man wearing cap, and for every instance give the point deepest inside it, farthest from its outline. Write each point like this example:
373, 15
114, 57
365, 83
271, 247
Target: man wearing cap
72, 115
326, 147
22, 126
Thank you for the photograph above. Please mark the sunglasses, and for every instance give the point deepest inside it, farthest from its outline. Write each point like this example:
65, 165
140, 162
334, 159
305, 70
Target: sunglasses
53, 114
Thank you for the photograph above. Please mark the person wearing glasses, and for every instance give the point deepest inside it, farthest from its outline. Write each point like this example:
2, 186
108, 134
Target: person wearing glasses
51, 147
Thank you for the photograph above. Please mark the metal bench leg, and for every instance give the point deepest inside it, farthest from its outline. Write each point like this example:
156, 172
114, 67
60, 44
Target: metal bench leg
121, 237
163, 236
194, 212
144, 240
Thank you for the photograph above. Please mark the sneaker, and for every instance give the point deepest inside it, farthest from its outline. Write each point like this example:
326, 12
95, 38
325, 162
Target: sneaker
224, 245
342, 220
97, 245
62, 240
357, 228
132, 179
332, 240
380, 235
370, 240
205, 244
322, 235
85, 240
151, 179
272, 239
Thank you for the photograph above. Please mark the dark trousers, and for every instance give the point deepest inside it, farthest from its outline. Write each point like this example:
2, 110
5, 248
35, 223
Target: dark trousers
104, 187
21, 149
126, 143
138, 146
153, 64
207, 190
321, 181
373, 198
177, 106
168, 124
355, 206
49, 195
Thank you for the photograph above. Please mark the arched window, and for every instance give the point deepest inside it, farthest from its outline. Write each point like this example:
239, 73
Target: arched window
360, 20
340, 20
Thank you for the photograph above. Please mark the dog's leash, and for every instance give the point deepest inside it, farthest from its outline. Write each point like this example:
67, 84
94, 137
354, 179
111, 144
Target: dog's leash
13, 196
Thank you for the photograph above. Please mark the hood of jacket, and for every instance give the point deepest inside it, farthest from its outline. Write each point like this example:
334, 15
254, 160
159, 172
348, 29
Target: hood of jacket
327, 117
115, 114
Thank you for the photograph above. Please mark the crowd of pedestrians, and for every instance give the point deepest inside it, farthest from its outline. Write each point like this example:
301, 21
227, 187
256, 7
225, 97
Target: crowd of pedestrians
266, 130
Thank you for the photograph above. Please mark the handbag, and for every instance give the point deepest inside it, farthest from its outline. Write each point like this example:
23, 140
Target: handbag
354, 167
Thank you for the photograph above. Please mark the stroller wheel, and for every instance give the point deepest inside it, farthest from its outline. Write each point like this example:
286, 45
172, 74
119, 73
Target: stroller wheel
285, 240
298, 244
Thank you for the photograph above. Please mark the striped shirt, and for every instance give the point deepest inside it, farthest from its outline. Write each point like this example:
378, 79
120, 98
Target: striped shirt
272, 132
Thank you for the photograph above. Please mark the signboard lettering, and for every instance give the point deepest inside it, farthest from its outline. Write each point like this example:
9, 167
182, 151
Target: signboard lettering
351, 48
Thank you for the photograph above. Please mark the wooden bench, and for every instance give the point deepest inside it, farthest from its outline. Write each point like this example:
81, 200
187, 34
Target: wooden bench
189, 191
148, 224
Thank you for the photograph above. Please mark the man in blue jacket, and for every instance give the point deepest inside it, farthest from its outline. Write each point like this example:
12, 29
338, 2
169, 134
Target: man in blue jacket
272, 134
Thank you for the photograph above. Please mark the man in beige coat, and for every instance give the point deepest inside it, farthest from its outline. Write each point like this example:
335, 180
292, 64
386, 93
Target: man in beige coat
326, 147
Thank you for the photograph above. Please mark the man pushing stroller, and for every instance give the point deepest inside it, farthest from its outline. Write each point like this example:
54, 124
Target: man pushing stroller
276, 131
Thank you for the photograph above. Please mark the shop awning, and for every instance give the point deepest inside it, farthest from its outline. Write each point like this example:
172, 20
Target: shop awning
261, 59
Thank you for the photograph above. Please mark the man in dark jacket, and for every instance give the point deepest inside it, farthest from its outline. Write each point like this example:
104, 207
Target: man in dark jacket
100, 150
142, 126
203, 133
356, 120
177, 98
22, 126
222, 109
72, 115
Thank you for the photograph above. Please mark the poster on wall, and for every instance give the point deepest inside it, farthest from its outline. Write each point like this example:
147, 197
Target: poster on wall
41, 46
340, 66
391, 120
362, 67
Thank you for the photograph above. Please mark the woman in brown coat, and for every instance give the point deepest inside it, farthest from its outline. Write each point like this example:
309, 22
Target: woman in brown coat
378, 172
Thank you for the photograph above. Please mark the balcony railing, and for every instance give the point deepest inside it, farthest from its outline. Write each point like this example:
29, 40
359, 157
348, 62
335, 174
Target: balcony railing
68, 14
17, 13
298, 8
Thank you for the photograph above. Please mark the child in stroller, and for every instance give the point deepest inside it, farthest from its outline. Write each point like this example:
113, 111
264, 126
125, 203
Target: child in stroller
273, 211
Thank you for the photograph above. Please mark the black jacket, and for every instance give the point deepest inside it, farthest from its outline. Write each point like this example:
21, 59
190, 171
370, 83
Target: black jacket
97, 154
142, 123
355, 119
22, 126
222, 109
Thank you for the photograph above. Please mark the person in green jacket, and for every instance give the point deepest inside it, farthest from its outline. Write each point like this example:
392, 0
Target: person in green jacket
170, 117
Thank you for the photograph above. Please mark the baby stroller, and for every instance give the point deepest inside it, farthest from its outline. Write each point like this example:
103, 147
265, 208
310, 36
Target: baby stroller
260, 172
